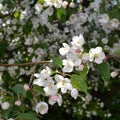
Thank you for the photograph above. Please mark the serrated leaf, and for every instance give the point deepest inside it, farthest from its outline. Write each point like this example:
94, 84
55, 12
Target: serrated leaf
18, 89
57, 62
104, 70
27, 116
39, 89
79, 82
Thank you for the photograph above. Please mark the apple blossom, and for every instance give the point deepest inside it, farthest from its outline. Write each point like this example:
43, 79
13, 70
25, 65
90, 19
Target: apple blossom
68, 65
96, 55
64, 50
63, 83
77, 41
42, 108
55, 98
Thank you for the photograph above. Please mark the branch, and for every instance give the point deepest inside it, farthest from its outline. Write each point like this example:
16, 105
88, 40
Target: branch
25, 64
112, 57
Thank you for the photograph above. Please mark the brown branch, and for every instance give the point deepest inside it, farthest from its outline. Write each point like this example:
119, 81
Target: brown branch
112, 57
24, 64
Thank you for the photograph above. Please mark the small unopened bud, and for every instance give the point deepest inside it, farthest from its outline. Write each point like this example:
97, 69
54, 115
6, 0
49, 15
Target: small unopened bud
74, 93
26, 87
5, 105
81, 67
18, 103
65, 4
77, 50
114, 74
72, 5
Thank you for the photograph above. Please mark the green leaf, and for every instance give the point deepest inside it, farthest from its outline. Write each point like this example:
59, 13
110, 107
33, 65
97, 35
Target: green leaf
104, 70
18, 89
16, 15
61, 14
57, 62
27, 116
39, 89
117, 50
115, 13
79, 82
79, 79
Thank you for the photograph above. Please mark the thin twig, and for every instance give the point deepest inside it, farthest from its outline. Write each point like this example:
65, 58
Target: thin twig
24, 64
113, 57
31, 78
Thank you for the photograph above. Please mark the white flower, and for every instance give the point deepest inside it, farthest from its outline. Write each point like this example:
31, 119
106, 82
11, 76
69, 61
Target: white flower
96, 55
45, 73
64, 50
57, 3
55, 98
48, 3
64, 4
63, 83
5, 105
43, 82
76, 58
68, 65
114, 23
104, 18
42, 108
10, 119
74, 93
50, 89
77, 41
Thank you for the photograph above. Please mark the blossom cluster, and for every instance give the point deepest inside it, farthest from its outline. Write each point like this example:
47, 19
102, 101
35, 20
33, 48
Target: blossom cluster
75, 58
51, 88
75, 55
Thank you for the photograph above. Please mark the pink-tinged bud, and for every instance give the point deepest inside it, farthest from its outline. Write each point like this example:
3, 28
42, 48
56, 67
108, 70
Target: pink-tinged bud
114, 74
18, 103
81, 67
26, 87
85, 61
77, 50
74, 93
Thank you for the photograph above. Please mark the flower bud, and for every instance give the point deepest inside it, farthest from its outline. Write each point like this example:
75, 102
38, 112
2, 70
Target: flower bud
18, 103
5, 105
26, 87
114, 74
72, 5
64, 4
74, 93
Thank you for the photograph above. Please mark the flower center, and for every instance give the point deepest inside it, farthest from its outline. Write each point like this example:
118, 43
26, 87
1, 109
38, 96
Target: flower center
96, 55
